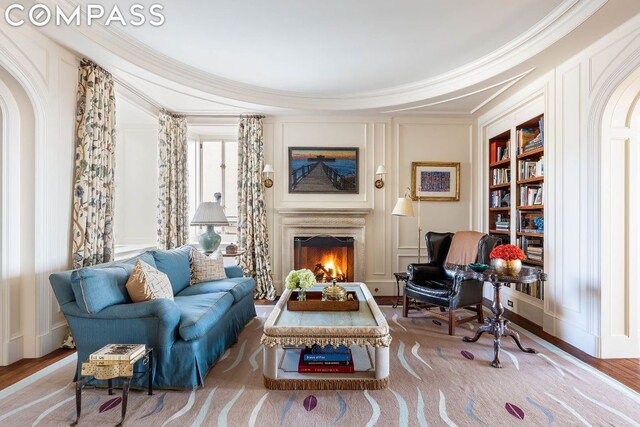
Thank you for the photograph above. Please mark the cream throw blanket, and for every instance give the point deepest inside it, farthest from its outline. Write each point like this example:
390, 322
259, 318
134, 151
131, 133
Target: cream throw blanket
464, 247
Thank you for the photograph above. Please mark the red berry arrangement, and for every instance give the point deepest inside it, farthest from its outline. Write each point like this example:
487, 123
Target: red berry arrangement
507, 253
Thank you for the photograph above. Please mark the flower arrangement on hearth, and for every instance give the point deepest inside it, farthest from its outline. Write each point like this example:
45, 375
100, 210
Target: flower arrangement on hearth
507, 253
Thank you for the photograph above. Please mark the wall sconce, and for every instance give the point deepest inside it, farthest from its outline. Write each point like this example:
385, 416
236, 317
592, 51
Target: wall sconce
381, 171
266, 172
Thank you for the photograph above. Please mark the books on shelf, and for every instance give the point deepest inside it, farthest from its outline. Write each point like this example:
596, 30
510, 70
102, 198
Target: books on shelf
328, 359
502, 222
499, 150
500, 176
530, 139
530, 195
530, 222
535, 289
532, 248
500, 198
328, 355
524, 136
117, 353
527, 169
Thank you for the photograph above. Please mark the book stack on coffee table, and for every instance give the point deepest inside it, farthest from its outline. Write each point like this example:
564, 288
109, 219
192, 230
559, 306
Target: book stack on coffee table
328, 359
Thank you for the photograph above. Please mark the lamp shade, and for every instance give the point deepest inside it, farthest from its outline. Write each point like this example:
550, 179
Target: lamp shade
209, 213
268, 169
404, 207
381, 170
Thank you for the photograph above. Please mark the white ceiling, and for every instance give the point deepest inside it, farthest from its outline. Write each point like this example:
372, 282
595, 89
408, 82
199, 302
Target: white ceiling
331, 56
335, 46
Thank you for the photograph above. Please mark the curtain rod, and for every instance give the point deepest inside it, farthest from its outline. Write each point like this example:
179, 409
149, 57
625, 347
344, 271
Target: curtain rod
153, 103
138, 94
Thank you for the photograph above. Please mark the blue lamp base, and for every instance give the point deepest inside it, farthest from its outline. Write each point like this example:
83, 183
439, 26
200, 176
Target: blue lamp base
210, 240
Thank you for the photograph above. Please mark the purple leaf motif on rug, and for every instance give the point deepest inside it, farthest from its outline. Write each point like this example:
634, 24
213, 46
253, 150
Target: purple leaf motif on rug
437, 322
467, 355
514, 410
310, 403
110, 404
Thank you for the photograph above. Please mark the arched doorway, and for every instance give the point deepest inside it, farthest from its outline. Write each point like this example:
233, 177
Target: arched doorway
17, 134
620, 221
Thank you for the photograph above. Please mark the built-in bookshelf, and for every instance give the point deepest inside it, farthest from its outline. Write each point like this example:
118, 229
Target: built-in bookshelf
516, 196
530, 192
500, 185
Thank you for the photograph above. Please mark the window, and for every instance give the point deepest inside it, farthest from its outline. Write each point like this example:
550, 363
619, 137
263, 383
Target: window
213, 168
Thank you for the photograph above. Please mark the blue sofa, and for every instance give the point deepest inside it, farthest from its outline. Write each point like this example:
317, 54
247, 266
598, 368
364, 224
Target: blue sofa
187, 334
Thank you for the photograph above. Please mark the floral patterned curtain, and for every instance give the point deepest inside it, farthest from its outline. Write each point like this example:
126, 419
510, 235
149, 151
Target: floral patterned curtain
173, 191
252, 217
94, 164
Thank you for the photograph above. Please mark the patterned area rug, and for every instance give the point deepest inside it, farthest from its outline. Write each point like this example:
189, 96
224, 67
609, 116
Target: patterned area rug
436, 380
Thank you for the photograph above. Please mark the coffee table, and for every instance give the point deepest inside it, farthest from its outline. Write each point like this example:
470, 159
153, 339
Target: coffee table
287, 331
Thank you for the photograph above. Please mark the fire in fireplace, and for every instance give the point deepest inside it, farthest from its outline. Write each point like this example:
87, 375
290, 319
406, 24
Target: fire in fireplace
328, 257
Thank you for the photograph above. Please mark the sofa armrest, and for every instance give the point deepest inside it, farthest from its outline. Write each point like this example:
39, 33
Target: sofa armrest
135, 317
418, 272
233, 271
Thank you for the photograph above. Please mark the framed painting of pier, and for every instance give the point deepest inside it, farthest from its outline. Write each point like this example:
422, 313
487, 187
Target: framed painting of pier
323, 170
435, 181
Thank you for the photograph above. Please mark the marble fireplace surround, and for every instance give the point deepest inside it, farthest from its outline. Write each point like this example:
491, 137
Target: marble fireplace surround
331, 222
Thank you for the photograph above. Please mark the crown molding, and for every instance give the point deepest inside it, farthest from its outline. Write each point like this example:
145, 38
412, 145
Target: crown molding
562, 20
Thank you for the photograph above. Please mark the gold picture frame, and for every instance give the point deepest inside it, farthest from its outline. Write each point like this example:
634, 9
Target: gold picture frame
435, 181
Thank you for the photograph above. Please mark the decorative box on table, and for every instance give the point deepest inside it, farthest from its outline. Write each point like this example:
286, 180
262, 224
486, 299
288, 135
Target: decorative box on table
314, 302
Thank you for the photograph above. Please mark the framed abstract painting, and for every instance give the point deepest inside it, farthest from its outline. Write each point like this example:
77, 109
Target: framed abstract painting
435, 181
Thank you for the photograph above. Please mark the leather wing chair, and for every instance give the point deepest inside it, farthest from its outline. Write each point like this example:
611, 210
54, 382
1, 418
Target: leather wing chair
434, 284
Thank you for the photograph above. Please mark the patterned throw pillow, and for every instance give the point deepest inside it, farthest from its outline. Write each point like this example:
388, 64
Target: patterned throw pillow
205, 269
146, 283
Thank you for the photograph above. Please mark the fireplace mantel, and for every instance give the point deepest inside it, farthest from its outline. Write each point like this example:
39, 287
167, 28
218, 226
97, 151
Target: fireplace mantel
329, 211
331, 222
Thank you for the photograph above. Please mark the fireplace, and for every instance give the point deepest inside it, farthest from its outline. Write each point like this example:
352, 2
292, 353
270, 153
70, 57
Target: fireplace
329, 257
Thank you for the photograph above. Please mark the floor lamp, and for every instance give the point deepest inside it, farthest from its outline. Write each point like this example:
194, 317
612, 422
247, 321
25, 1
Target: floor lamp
404, 207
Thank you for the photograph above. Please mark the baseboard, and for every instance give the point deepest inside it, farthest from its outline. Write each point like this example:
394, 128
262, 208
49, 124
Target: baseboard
578, 338
15, 349
382, 288
52, 340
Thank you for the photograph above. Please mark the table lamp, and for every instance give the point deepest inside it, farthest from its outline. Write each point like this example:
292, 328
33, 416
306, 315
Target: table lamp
209, 214
404, 207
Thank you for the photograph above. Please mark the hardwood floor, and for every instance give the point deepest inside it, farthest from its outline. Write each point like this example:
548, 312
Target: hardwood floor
23, 368
626, 371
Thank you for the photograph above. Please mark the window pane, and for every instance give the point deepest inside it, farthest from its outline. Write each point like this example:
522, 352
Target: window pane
231, 179
211, 170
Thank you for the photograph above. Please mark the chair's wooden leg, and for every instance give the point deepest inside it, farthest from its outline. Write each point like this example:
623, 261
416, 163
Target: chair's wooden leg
405, 306
452, 321
480, 313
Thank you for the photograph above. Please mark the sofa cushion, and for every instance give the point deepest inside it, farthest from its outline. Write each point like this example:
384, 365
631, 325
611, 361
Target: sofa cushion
198, 313
146, 257
96, 288
238, 287
205, 269
146, 283
175, 264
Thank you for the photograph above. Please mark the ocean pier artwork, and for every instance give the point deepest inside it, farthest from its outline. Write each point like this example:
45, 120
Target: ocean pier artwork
323, 170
